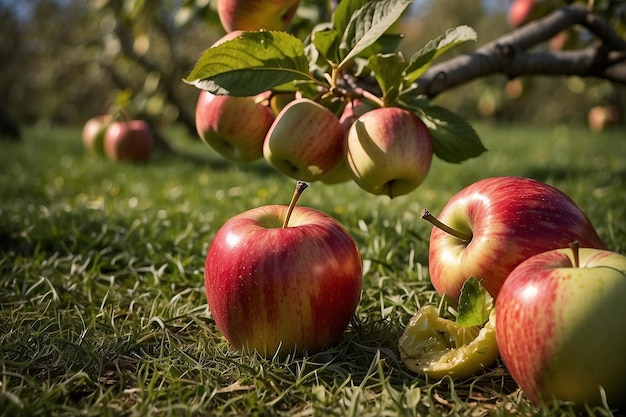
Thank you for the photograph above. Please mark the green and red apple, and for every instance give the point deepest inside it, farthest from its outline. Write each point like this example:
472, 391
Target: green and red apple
234, 126
305, 142
488, 228
283, 280
93, 133
389, 151
561, 326
253, 15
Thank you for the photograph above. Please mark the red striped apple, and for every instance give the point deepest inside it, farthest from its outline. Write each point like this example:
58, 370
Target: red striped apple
305, 142
283, 280
130, 140
93, 133
389, 151
256, 14
234, 126
496, 223
561, 326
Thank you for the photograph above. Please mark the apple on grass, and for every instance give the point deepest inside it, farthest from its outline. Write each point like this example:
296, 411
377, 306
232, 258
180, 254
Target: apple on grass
389, 151
234, 126
129, 140
255, 15
305, 141
561, 326
283, 279
93, 133
491, 226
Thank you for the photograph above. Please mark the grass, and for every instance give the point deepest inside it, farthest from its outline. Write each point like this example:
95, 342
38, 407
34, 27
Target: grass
102, 306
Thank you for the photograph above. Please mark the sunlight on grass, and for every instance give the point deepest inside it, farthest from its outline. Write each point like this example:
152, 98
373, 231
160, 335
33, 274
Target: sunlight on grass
103, 309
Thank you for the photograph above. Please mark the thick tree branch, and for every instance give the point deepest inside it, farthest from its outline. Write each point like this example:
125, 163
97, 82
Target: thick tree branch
510, 54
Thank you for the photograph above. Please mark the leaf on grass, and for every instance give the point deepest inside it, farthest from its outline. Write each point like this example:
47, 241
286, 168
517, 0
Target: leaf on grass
368, 20
250, 64
422, 59
454, 139
475, 304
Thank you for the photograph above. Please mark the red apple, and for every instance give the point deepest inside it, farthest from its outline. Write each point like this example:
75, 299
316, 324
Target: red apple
93, 133
389, 151
234, 126
560, 327
128, 141
305, 142
282, 289
603, 117
256, 14
500, 222
524, 11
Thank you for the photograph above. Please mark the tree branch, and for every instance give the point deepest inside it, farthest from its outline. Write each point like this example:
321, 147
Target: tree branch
509, 55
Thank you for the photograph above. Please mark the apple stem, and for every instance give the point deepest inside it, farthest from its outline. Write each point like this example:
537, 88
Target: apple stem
300, 187
466, 237
575, 247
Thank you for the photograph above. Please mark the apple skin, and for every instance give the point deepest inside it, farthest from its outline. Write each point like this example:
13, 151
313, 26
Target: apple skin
255, 15
389, 151
560, 329
510, 219
130, 140
220, 124
305, 142
285, 290
524, 11
93, 133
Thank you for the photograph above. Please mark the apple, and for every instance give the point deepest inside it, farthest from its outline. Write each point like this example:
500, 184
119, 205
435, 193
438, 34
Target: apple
560, 327
523, 11
130, 140
603, 117
305, 141
93, 133
255, 15
283, 279
494, 224
234, 126
389, 151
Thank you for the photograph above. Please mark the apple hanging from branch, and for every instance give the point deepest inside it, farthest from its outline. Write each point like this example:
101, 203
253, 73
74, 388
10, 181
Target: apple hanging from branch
491, 226
560, 327
283, 279
256, 14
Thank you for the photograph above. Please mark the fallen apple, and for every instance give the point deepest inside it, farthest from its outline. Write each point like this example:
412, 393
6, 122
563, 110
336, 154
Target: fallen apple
560, 327
389, 151
256, 14
93, 133
130, 140
491, 226
283, 280
305, 141
219, 124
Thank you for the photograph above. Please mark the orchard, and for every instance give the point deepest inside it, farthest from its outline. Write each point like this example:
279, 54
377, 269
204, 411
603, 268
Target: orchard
149, 276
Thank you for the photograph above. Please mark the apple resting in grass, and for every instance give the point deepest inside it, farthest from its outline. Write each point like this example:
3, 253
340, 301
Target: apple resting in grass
603, 117
305, 142
283, 280
491, 226
93, 133
130, 140
256, 14
561, 326
234, 126
389, 151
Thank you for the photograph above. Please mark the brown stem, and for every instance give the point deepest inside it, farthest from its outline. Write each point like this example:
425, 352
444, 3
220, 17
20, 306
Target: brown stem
300, 187
466, 237
575, 247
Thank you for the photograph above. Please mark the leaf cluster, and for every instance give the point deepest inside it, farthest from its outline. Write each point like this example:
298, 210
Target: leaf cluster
353, 57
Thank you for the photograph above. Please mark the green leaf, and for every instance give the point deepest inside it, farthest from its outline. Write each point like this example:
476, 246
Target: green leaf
454, 139
475, 304
422, 59
388, 71
250, 64
327, 43
368, 23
